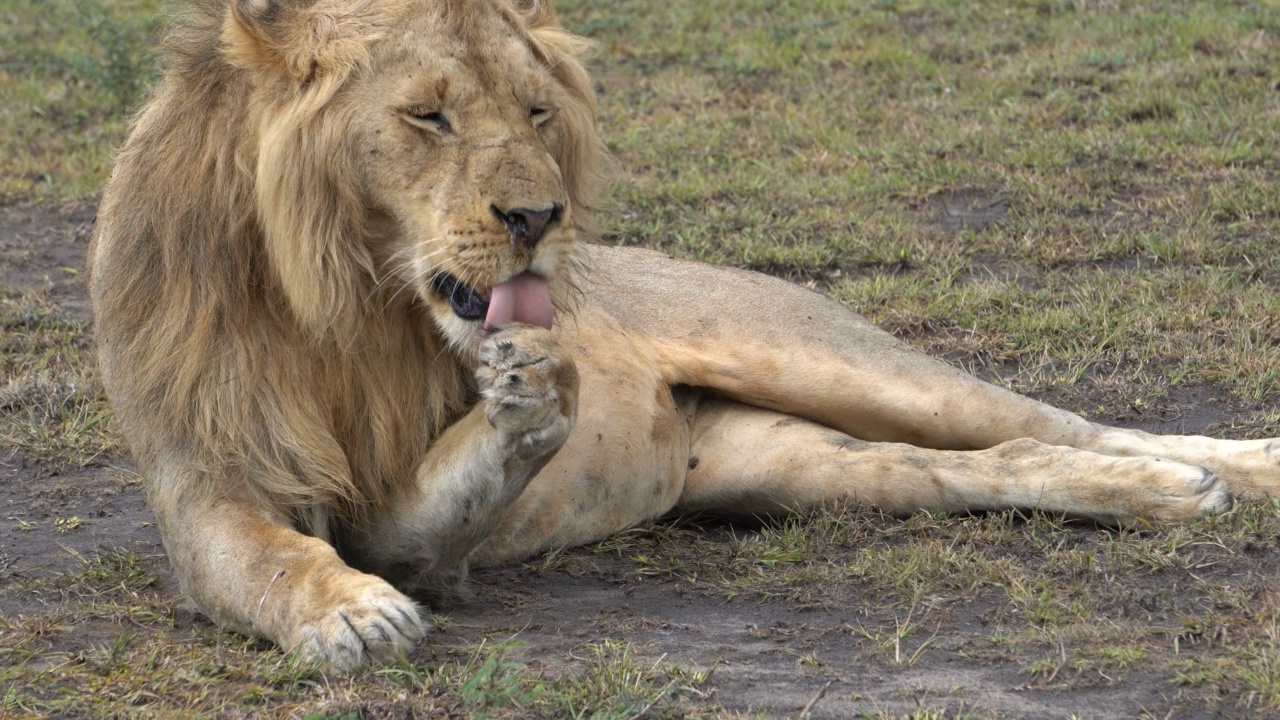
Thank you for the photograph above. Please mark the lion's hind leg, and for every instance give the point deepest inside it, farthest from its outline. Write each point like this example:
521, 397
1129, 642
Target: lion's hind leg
755, 461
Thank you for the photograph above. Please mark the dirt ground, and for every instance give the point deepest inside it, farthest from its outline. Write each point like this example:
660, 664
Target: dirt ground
815, 650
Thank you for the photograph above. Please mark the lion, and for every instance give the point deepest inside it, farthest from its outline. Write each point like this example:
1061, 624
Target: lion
352, 323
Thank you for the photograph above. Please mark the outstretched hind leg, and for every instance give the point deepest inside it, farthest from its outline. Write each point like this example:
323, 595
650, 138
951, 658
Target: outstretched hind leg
755, 461
769, 343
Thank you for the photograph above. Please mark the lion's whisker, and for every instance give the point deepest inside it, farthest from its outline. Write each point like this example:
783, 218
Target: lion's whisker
393, 265
411, 264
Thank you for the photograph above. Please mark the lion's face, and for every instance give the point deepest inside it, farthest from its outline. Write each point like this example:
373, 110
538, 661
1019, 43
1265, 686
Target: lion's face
459, 131
465, 126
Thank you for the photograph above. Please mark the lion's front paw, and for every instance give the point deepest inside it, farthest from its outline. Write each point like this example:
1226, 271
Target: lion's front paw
530, 388
368, 620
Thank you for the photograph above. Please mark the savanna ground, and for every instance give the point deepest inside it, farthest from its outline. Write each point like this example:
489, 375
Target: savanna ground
1079, 200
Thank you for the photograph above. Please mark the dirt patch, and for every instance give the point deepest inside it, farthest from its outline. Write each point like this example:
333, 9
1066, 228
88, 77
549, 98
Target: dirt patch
54, 516
777, 659
51, 523
42, 250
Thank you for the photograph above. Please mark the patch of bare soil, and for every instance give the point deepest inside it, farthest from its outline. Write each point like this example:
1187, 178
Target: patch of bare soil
42, 250
970, 209
52, 517
50, 523
828, 650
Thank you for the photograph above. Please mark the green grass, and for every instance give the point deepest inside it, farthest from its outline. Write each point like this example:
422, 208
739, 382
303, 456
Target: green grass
1077, 199
1127, 149
69, 74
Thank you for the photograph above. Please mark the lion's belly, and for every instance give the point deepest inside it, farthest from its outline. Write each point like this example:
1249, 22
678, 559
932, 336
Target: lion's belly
624, 462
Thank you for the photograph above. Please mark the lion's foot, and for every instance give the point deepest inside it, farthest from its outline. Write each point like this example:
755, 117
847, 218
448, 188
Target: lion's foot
530, 388
366, 620
1178, 491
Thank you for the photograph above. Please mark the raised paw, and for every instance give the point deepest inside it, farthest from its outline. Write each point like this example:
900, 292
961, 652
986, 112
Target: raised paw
530, 388
369, 621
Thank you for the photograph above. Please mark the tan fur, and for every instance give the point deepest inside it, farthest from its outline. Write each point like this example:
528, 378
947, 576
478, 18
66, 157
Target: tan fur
314, 421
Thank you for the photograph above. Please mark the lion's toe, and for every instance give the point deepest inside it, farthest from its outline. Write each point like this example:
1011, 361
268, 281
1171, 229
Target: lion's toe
1214, 494
530, 387
379, 626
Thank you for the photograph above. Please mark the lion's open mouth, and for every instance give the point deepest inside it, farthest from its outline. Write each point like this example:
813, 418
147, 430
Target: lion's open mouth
524, 298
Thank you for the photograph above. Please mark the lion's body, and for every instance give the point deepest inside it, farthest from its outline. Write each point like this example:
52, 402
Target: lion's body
316, 216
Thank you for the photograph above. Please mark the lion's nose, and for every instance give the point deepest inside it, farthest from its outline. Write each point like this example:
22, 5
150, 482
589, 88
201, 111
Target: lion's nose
527, 224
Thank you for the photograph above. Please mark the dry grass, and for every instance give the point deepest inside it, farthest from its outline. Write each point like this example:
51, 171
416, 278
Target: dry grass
54, 410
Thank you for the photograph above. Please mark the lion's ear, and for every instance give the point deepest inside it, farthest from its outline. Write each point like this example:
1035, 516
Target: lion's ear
536, 12
292, 40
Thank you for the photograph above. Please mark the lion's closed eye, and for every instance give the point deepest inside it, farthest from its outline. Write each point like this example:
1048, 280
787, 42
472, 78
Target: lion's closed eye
540, 116
428, 118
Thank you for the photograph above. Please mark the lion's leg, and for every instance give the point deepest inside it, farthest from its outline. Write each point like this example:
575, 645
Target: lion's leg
475, 470
749, 460
250, 572
772, 344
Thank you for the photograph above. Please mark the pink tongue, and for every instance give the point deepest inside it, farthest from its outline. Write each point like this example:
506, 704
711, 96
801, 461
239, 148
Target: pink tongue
524, 298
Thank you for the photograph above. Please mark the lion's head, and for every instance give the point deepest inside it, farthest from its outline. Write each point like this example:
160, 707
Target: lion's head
443, 149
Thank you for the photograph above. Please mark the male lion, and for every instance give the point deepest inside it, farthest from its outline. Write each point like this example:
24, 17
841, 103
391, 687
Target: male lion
356, 342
